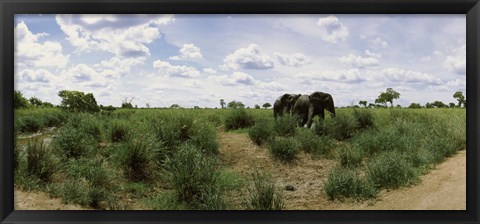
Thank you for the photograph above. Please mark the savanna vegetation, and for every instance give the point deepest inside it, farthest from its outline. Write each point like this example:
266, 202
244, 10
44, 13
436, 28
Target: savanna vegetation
104, 157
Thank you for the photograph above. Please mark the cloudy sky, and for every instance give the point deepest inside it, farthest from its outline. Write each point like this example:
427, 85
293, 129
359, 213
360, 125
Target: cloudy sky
199, 59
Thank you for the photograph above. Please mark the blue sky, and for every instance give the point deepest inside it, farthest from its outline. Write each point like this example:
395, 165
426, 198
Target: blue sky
199, 59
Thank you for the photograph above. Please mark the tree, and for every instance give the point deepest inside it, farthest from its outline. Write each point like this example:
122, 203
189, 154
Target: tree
35, 101
47, 105
257, 106
439, 104
388, 96
18, 100
235, 104
266, 105
222, 103
196, 107
414, 106
127, 103
371, 105
77, 101
147, 105
451, 105
428, 105
363, 102
175, 106
460, 97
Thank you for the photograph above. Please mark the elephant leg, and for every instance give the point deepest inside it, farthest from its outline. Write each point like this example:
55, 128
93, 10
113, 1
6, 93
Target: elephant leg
310, 117
322, 114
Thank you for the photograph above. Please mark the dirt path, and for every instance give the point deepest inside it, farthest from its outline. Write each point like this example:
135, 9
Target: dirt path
40, 201
444, 188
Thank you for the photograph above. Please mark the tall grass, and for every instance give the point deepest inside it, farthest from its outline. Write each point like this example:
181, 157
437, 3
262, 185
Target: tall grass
309, 142
260, 132
346, 183
263, 194
391, 170
284, 149
41, 162
238, 118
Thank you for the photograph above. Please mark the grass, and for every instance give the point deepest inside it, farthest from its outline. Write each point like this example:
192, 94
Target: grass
70, 143
238, 118
286, 125
41, 162
263, 194
391, 170
316, 145
260, 132
346, 183
283, 149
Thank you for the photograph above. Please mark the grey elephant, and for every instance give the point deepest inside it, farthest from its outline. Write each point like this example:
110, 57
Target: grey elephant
309, 106
284, 103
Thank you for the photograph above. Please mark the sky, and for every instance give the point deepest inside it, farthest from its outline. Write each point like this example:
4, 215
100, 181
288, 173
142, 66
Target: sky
196, 60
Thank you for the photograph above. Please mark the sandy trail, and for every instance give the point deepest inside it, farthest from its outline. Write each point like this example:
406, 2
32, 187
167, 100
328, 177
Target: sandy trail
443, 188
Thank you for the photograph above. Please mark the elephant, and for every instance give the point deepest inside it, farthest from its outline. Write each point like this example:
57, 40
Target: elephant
308, 106
284, 103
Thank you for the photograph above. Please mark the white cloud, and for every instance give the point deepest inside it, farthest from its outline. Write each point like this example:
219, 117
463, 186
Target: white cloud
331, 29
457, 61
30, 52
359, 61
39, 75
176, 70
373, 54
375, 41
210, 71
398, 75
294, 60
248, 58
350, 76
237, 78
114, 35
426, 58
188, 51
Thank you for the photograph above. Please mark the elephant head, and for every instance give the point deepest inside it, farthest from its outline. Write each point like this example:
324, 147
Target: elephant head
284, 103
322, 101
288, 100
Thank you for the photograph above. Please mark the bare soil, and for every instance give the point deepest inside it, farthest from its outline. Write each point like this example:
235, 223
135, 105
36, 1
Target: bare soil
443, 188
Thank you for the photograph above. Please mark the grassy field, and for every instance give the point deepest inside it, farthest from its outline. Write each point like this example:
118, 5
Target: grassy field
172, 159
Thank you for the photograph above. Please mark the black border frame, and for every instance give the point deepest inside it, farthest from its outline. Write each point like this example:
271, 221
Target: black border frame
8, 8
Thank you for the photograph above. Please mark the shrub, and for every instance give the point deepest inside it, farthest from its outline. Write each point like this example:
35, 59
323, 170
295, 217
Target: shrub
41, 162
194, 177
284, 149
71, 143
364, 118
391, 170
31, 124
214, 119
93, 127
119, 131
350, 157
237, 119
263, 195
91, 184
345, 183
138, 157
286, 125
205, 138
175, 129
340, 127
260, 132
311, 143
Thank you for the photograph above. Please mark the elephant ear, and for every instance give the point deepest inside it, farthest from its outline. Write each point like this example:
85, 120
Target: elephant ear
295, 98
284, 98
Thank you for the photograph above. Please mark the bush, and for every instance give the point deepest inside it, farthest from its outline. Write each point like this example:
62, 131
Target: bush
340, 127
286, 125
350, 157
31, 124
195, 178
284, 149
237, 119
41, 162
311, 143
263, 195
138, 158
175, 129
391, 170
205, 138
260, 132
119, 131
364, 118
345, 183
72, 143
93, 127
91, 184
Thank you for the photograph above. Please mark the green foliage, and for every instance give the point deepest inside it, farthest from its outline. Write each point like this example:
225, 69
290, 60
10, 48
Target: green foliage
350, 157
286, 125
317, 145
41, 163
195, 178
138, 157
341, 127
387, 96
391, 170
35, 101
235, 105
238, 118
284, 149
260, 132
71, 143
346, 183
263, 195
205, 138
266, 105
77, 101
119, 131
414, 106
364, 118
19, 101
460, 97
